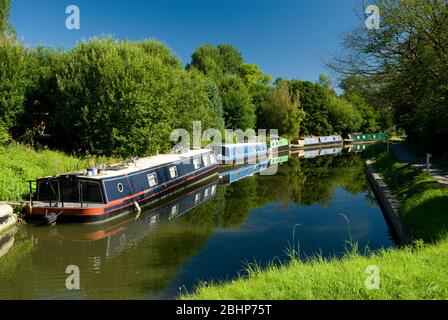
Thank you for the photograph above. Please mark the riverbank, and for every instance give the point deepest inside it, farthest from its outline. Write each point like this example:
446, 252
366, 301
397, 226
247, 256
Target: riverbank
414, 272
19, 163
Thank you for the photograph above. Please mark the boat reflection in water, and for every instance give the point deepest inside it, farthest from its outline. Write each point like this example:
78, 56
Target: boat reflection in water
319, 152
263, 167
122, 234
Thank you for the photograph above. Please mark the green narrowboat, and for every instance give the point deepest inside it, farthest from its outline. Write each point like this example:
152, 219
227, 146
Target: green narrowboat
366, 137
279, 145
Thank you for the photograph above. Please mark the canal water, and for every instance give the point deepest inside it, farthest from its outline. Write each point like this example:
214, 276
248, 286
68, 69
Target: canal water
208, 234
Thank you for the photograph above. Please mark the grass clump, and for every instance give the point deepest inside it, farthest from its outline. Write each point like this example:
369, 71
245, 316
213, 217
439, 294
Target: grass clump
19, 163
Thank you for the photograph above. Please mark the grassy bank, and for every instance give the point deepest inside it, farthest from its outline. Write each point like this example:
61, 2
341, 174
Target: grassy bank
414, 272
19, 163
410, 273
424, 201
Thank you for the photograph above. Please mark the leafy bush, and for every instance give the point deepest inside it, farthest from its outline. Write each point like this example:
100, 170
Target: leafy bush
4, 135
124, 98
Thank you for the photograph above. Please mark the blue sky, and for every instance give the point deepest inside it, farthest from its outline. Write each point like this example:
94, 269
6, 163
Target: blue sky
286, 38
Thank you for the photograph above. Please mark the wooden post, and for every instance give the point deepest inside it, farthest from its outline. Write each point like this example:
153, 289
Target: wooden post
428, 163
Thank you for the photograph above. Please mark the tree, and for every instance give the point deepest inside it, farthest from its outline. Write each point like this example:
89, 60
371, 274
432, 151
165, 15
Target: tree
5, 7
314, 102
326, 83
239, 112
344, 117
213, 61
124, 98
407, 62
252, 75
17, 74
282, 111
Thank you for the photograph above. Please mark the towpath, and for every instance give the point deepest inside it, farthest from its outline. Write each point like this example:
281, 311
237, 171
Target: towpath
403, 154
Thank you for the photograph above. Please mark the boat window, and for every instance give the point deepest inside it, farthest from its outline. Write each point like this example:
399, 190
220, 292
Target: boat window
213, 190
197, 198
152, 179
44, 191
206, 193
212, 158
69, 190
120, 187
197, 163
206, 160
91, 192
174, 211
173, 172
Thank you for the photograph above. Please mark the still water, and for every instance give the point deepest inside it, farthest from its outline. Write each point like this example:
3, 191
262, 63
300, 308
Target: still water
209, 233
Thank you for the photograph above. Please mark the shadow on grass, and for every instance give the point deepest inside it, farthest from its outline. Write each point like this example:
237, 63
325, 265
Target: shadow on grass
428, 219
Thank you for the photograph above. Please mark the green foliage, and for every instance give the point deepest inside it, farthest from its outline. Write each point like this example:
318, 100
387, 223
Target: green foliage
402, 69
344, 117
252, 75
19, 163
124, 98
5, 6
313, 100
214, 61
160, 51
4, 135
424, 201
326, 83
16, 76
224, 65
282, 111
369, 122
239, 111
216, 106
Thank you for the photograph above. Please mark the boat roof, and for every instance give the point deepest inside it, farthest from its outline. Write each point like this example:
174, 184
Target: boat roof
240, 144
137, 164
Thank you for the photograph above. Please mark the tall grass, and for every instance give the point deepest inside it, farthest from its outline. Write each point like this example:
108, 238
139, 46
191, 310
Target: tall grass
19, 163
409, 273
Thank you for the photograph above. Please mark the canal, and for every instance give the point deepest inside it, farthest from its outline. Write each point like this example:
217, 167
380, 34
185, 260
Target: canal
210, 233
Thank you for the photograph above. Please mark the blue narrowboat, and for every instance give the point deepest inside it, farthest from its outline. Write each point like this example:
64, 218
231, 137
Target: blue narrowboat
104, 194
110, 239
311, 142
231, 153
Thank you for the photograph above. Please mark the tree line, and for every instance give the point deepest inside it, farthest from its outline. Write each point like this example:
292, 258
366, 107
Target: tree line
124, 98
402, 69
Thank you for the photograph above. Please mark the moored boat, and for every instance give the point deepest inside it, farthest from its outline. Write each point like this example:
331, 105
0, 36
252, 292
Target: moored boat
366, 137
277, 146
133, 229
103, 194
239, 152
311, 142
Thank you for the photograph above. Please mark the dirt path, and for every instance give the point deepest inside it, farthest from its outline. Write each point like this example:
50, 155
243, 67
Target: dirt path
405, 155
